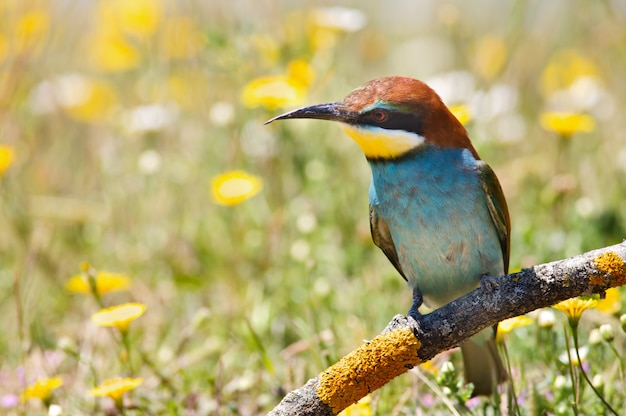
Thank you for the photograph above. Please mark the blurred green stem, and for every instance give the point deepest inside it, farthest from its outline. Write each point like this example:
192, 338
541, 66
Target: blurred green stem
126, 351
582, 371
562, 158
562, 168
572, 374
119, 404
440, 394
619, 362
546, 336
513, 405
267, 362
91, 276
155, 369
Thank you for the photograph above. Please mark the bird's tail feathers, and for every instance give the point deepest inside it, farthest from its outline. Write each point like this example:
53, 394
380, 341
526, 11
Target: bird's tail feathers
482, 364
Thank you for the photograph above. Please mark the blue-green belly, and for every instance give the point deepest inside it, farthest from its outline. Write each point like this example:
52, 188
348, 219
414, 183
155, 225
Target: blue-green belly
439, 221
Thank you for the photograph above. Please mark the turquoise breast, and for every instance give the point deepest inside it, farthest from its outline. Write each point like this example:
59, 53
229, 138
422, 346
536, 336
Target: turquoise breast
439, 221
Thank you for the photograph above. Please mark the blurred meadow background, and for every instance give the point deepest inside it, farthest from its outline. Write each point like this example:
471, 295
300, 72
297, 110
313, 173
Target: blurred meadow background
162, 248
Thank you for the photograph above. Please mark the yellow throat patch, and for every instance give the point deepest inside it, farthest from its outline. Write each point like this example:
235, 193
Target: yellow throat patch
379, 143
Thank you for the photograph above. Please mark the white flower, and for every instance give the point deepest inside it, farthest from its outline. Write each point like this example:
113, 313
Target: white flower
221, 113
572, 353
340, 18
63, 91
149, 161
546, 318
152, 117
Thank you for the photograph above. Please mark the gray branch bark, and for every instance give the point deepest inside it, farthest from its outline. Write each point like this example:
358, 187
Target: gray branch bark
445, 328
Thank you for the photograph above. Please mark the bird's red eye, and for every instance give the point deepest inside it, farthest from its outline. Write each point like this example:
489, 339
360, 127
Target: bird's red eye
380, 115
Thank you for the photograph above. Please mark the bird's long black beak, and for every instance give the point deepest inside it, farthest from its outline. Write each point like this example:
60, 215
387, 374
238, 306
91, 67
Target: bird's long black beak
328, 111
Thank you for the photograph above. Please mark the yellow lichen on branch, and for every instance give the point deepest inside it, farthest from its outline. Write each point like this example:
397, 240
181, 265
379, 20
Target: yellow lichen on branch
368, 368
610, 263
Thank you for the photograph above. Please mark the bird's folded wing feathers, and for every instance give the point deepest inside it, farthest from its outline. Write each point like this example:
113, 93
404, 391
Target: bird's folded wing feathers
497, 208
382, 238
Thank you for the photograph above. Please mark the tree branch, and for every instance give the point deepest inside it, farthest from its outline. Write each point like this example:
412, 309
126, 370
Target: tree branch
404, 344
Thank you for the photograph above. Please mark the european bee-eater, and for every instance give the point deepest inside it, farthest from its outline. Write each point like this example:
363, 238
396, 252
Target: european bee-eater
436, 210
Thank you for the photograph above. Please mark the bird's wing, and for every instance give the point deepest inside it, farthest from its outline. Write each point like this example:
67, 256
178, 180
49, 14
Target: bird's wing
382, 238
497, 208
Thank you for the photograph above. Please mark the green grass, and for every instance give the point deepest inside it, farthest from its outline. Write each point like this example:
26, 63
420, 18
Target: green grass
246, 302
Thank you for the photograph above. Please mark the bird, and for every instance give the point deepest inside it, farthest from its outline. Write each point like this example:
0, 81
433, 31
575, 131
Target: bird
437, 211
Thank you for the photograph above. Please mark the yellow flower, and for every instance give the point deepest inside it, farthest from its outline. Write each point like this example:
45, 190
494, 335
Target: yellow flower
612, 303
566, 124
41, 389
4, 48
266, 48
574, 308
119, 316
184, 88
429, 366
89, 101
301, 71
115, 387
180, 38
489, 56
564, 69
111, 52
232, 188
328, 24
508, 325
274, 92
360, 408
105, 282
6, 158
31, 29
461, 112
137, 17
323, 38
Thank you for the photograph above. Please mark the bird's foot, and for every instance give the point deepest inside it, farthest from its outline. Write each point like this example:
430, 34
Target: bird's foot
414, 315
488, 283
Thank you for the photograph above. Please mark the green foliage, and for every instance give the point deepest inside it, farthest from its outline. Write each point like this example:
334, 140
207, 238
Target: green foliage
453, 385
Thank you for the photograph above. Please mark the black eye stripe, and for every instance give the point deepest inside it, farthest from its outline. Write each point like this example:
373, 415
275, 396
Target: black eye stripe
394, 120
